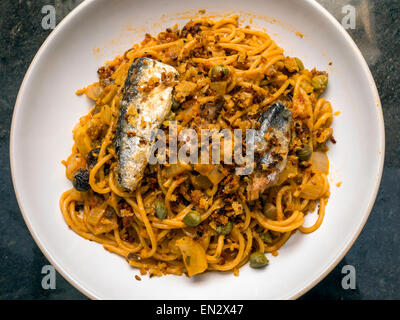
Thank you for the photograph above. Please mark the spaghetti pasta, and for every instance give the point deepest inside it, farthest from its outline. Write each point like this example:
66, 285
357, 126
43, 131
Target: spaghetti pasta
231, 227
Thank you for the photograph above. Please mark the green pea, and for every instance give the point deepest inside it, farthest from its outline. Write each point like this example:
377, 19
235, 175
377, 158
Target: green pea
219, 72
225, 229
320, 82
304, 153
175, 104
258, 260
300, 64
266, 237
192, 219
161, 209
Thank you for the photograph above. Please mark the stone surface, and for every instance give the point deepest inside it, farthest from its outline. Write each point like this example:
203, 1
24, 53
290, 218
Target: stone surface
375, 254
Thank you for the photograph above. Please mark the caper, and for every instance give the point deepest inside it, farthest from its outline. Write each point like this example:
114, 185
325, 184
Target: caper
161, 209
81, 180
270, 211
192, 218
320, 82
304, 153
300, 64
201, 182
219, 72
225, 229
175, 104
258, 260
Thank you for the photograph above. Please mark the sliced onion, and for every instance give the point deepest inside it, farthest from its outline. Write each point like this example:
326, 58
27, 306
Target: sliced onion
95, 215
314, 188
175, 169
94, 91
219, 87
106, 114
215, 173
193, 254
100, 223
290, 171
320, 162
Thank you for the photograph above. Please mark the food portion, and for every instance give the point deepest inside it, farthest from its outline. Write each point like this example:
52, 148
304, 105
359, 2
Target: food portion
187, 213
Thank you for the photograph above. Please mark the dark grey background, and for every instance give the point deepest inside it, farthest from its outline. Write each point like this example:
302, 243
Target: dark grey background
375, 254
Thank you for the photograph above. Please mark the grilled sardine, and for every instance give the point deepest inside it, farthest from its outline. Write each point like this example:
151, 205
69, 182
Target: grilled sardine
147, 99
272, 141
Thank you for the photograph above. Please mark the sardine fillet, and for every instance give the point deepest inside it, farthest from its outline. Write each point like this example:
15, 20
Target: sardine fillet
275, 124
147, 99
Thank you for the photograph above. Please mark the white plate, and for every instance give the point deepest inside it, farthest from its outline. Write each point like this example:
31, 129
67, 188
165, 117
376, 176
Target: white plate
47, 109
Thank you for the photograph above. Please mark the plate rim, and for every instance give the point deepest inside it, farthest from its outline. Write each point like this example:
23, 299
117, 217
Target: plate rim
331, 265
